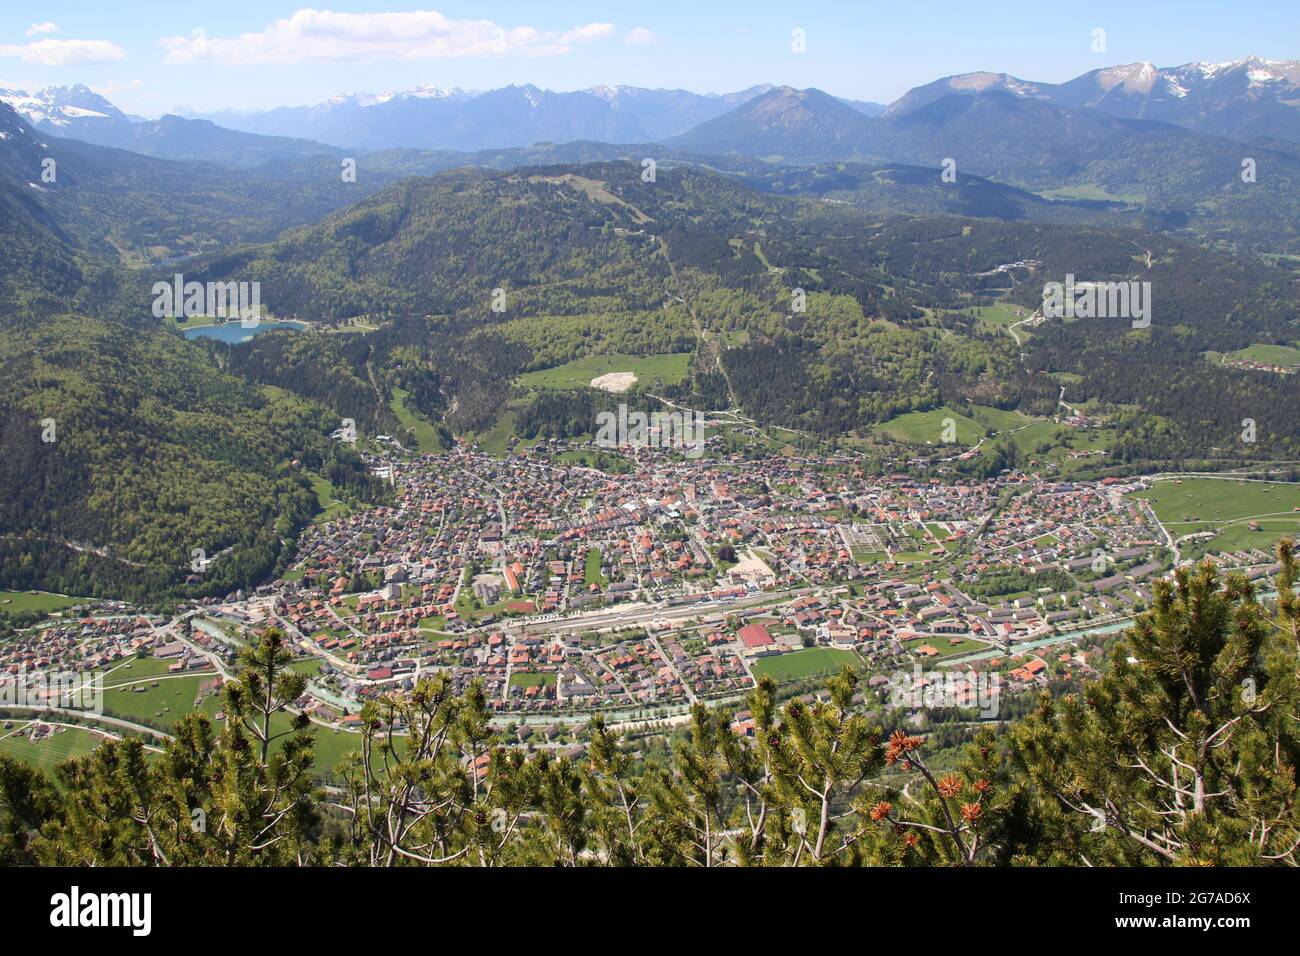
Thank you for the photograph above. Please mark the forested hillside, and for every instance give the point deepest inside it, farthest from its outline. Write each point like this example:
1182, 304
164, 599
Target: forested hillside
126, 450
594, 259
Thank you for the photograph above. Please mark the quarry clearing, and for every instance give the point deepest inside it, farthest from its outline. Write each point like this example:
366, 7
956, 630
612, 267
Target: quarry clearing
614, 381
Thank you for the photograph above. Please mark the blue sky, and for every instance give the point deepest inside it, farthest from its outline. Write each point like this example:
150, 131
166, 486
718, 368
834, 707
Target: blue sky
148, 58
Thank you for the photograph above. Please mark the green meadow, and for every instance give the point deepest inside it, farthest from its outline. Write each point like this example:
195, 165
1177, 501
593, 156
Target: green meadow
424, 434
42, 602
669, 369
1227, 507
1218, 500
1281, 355
64, 744
918, 428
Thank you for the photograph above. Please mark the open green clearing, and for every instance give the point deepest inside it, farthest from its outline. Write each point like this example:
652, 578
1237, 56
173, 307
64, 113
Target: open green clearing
331, 745
999, 315
467, 605
1089, 191
1281, 355
331, 507
161, 701
42, 602
939, 534
920, 428
532, 680
309, 666
495, 440
1227, 507
64, 744
946, 646
591, 569
1069, 448
999, 419
648, 369
134, 669
1218, 500
425, 435
1242, 537
809, 662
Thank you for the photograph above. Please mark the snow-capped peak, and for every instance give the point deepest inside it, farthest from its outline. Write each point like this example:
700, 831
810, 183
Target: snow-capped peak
58, 106
422, 92
1132, 77
609, 93
428, 92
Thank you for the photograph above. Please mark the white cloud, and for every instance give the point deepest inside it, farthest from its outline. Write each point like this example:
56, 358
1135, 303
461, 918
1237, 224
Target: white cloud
63, 52
49, 26
640, 36
323, 36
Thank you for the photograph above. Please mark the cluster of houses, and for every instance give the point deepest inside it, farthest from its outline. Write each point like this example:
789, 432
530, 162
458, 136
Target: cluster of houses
565, 590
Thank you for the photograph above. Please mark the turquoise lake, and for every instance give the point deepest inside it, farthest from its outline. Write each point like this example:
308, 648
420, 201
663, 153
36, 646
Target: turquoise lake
233, 333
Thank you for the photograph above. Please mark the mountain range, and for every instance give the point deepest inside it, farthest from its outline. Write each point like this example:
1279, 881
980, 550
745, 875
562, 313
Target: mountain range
435, 118
1244, 99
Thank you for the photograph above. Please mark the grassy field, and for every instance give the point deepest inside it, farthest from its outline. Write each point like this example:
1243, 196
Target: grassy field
999, 419
999, 315
1217, 500
435, 624
1058, 441
591, 569
66, 742
310, 666
330, 506
426, 436
1226, 506
134, 669
1089, 191
466, 606
668, 369
939, 534
1242, 537
1281, 355
532, 680
159, 706
495, 440
927, 427
945, 646
331, 745
809, 662
42, 602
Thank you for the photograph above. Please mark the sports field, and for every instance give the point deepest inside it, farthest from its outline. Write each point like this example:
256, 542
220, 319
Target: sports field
532, 680
809, 662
